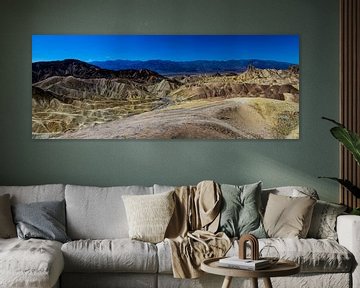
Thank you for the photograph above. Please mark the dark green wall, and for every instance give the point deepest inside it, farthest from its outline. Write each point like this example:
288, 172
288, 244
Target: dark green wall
299, 162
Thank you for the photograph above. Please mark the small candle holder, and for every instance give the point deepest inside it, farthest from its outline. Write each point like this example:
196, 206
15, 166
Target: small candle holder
270, 253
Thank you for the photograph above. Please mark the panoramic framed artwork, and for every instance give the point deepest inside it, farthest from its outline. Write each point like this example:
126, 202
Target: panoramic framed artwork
165, 87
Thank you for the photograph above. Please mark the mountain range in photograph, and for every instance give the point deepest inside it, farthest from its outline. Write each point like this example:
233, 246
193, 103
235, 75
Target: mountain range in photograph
239, 99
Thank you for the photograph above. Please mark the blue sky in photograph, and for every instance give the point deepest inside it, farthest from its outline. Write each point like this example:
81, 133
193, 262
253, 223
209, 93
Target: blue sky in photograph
89, 48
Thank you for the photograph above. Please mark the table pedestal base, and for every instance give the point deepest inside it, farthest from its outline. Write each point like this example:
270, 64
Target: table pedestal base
267, 282
227, 282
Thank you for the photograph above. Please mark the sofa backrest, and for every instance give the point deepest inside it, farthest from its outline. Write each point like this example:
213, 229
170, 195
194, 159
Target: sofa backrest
35, 193
98, 212
163, 188
293, 191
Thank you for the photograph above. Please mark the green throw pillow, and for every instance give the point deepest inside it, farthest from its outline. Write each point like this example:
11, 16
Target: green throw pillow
240, 213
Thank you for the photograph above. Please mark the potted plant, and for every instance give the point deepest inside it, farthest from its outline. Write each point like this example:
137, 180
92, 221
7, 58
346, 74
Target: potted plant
351, 141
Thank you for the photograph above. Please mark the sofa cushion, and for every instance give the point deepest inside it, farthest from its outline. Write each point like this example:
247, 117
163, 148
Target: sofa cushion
98, 213
30, 263
164, 257
240, 210
117, 255
35, 193
287, 216
43, 220
313, 255
7, 226
149, 215
323, 222
291, 191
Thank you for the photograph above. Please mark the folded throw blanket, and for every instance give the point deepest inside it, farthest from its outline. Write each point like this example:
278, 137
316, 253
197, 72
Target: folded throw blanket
191, 231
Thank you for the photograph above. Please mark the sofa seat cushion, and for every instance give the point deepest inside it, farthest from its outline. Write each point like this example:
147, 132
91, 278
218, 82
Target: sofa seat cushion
30, 263
115, 255
313, 255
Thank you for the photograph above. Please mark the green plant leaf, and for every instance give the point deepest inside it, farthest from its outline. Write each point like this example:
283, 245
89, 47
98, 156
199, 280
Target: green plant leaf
355, 211
333, 121
348, 138
347, 184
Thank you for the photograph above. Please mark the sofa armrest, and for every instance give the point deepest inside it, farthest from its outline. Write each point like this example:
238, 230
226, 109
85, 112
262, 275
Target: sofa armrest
348, 230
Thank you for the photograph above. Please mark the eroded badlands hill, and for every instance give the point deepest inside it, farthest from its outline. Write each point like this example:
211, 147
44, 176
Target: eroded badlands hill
237, 118
73, 99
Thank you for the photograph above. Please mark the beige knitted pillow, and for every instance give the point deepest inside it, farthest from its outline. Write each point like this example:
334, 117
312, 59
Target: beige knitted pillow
149, 215
288, 217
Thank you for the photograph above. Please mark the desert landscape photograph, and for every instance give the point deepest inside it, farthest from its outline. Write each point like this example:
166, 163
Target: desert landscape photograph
165, 87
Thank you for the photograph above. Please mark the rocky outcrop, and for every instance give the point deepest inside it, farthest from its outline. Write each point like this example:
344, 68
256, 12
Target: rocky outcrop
69, 87
270, 76
233, 90
264, 83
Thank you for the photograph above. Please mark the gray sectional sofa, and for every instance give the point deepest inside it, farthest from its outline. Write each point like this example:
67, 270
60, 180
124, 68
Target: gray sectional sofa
101, 254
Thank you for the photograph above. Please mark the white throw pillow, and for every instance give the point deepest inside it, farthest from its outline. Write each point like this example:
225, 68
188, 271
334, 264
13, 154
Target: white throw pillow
149, 215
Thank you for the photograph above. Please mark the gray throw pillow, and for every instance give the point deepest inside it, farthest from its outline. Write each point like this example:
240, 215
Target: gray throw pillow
240, 213
44, 220
7, 227
323, 222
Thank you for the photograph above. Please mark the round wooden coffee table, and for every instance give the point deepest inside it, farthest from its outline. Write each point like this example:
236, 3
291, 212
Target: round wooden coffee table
281, 268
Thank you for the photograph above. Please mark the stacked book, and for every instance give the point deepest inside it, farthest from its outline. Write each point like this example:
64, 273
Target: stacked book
248, 264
